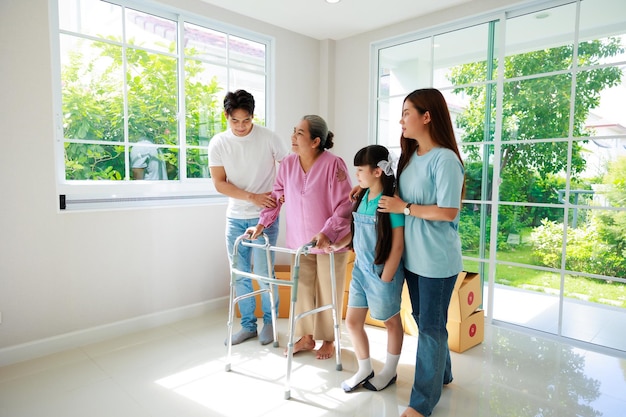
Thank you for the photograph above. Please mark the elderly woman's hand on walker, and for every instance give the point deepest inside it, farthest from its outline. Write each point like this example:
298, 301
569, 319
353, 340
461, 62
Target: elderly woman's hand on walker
254, 232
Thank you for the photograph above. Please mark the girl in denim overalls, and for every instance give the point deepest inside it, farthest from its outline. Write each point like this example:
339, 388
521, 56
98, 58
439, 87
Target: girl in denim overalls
377, 277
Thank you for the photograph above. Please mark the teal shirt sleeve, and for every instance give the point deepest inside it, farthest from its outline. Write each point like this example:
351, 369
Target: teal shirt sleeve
397, 220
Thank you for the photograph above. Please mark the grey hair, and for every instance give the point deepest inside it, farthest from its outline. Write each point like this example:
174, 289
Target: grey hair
319, 129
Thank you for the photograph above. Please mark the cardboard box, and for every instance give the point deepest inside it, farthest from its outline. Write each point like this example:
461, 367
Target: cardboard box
466, 297
467, 333
284, 293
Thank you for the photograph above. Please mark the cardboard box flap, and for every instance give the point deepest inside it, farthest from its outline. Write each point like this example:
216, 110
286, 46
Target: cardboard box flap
459, 280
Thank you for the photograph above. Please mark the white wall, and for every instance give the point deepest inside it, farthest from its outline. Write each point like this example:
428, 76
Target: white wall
71, 278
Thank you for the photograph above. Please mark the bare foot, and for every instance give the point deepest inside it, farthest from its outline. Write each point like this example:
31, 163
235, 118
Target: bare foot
305, 343
326, 351
409, 412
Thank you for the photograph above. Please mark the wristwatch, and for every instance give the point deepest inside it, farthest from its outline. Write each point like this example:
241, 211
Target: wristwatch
407, 209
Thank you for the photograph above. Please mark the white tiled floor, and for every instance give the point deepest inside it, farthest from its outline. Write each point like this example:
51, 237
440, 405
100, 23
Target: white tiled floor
179, 371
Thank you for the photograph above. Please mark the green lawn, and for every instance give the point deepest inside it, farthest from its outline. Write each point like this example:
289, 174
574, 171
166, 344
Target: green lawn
599, 291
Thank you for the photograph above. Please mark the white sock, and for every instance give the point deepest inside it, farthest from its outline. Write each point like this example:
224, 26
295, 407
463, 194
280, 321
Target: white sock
365, 369
382, 378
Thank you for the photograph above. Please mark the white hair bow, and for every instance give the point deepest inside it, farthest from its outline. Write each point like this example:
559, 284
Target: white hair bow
388, 165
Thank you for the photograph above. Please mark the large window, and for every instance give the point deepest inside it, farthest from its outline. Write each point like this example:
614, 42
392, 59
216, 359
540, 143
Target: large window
537, 96
140, 92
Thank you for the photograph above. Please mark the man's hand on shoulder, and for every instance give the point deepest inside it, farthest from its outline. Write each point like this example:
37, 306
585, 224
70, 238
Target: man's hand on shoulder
264, 200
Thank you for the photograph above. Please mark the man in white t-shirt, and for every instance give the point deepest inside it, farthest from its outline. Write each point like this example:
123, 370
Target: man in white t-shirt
242, 161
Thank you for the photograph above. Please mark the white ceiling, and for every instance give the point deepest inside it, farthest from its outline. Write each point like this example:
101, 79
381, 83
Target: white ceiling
320, 20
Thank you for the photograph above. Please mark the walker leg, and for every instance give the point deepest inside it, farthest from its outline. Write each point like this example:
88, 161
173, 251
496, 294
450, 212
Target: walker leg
333, 281
272, 287
291, 330
274, 314
231, 313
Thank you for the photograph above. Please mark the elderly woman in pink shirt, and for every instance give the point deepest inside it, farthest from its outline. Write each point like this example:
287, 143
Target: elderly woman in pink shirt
314, 187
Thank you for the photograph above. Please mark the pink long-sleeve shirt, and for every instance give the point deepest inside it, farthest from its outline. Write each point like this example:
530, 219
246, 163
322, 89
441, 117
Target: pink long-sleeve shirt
316, 201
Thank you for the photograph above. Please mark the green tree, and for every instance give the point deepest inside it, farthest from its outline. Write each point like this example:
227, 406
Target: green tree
532, 109
93, 108
537, 108
611, 224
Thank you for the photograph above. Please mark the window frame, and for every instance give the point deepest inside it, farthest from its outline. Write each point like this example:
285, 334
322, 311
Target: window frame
109, 194
487, 260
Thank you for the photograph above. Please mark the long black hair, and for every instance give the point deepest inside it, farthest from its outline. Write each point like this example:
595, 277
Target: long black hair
441, 131
370, 156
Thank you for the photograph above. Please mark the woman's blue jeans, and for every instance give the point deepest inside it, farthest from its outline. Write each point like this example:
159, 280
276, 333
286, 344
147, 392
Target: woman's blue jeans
247, 258
430, 298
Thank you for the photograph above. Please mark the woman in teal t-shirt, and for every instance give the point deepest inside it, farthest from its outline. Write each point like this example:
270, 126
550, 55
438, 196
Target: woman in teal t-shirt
431, 185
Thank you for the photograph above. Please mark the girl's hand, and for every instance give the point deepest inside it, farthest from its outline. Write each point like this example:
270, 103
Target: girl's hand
386, 280
255, 232
388, 204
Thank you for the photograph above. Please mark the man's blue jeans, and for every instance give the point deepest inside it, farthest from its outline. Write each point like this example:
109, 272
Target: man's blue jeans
247, 257
430, 298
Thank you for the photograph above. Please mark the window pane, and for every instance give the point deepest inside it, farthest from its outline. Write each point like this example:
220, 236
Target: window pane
198, 163
171, 158
527, 232
600, 98
471, 265
389, 129
246, 54
478, 174
610, 188
205, 43
94, 162
470, 66
404, 68
91, 17
152, 97
540, 42
93, 106
593, 311
595, 242
602, 25
151, 32
255, 85
602, 156
533, 171
474, 218
120, 92
524, 287
205, 85
148, 162
607, 292
472, 110
538, 108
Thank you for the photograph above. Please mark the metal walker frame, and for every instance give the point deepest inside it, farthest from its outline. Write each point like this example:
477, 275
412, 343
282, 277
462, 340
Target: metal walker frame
273, 281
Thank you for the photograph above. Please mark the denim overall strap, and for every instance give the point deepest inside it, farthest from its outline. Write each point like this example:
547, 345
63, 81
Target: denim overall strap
364, 240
